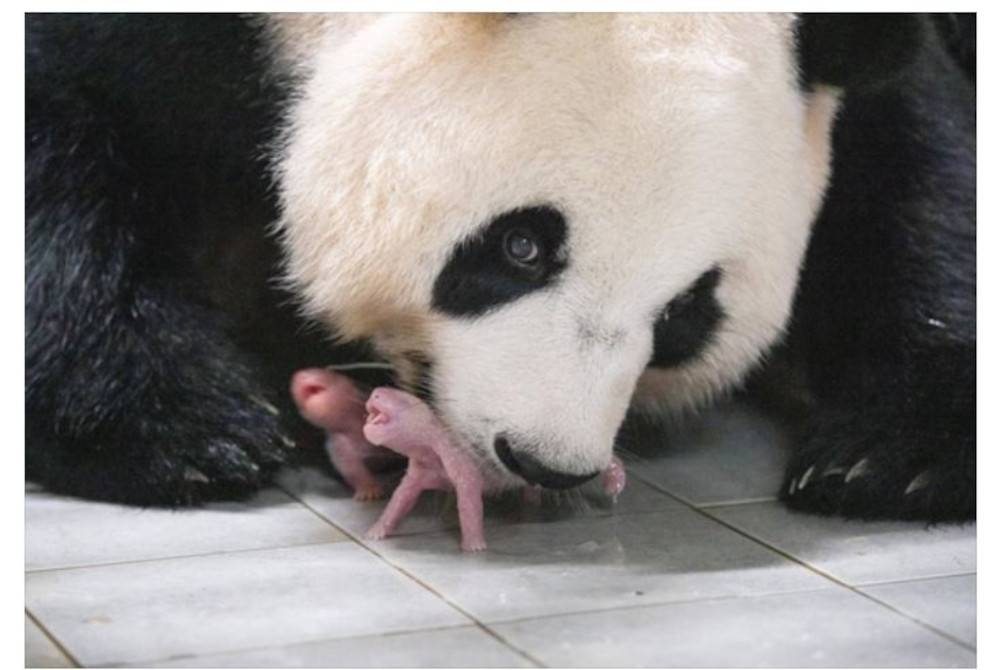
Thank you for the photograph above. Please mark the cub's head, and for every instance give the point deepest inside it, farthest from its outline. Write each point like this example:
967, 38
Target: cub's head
538, 217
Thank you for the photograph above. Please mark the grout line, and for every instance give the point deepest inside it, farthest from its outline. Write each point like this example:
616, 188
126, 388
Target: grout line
74, 661
476, 622
736, 503
919, 622
662, 603
822, 573
651, 482
181, 557
659, 487
925, 578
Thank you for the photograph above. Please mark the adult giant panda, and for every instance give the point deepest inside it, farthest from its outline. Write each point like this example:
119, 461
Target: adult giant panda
539, 220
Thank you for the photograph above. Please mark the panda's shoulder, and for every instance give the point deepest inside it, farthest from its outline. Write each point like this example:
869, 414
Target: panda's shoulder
174, 83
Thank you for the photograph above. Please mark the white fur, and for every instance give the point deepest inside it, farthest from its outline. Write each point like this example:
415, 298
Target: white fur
671, 143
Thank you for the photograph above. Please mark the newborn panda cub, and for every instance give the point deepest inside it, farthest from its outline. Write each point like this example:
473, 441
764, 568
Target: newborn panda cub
331, 401
403, 423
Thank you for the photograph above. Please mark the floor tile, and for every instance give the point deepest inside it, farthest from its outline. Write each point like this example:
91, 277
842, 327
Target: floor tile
947, 603
726, 454
548, 568
821, 629
860, 552
67, 532
154, 610
436, 510
465, 647
40, 651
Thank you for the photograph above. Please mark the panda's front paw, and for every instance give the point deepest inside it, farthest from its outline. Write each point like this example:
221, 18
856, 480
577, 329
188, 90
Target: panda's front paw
864, 465
183, 429
227, 449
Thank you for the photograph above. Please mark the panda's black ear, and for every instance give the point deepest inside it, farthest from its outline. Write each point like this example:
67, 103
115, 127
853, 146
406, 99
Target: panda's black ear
848, 50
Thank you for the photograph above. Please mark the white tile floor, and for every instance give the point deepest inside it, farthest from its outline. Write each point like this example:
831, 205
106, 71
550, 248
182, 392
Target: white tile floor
695, 566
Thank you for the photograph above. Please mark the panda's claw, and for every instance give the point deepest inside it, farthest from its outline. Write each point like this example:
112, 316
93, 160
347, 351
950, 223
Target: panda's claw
264, 404
804, 481
193, 474
919, 482
859, 469
895, 474
833, 470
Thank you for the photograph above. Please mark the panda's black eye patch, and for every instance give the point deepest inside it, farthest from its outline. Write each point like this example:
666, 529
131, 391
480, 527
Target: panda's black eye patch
688, 323
519, 252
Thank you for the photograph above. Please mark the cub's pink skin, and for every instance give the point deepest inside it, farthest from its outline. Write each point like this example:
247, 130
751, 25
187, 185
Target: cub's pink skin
332, 402
406, 425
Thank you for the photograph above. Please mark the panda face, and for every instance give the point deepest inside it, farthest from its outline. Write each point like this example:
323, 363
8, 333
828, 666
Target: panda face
542, 219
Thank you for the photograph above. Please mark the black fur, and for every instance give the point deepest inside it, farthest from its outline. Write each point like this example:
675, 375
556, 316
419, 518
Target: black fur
147, 267
478, 277
884, 321
857, 50
688, 323
958, 34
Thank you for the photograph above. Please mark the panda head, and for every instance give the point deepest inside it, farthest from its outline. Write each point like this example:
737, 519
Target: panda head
537, 218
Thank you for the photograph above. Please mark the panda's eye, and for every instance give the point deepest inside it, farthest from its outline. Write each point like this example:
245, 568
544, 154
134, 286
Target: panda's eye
519, 252
521, 247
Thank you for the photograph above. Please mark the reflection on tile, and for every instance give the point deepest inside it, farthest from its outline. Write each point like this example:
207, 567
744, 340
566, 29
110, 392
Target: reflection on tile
857, 551
821, 629
465, 647
224, 602
547, 568
947, 603
726, 454
436, 510
40, 651
68, 532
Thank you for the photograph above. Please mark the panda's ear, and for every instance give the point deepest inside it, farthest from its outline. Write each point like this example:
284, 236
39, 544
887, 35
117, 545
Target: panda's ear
848, 50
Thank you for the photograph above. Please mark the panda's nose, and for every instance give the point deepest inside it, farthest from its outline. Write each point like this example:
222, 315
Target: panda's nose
522, 463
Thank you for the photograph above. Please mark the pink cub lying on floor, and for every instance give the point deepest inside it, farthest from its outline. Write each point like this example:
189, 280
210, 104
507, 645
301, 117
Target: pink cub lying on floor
406, 425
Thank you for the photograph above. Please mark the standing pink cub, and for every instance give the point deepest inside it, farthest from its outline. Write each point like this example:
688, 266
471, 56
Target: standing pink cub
406, 425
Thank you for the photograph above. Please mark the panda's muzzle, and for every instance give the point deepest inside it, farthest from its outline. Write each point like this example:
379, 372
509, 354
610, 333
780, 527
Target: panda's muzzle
529, 468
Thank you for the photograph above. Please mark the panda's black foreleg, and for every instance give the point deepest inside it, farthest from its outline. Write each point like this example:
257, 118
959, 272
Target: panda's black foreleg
884, 323
135, 391
153, 407
901, 446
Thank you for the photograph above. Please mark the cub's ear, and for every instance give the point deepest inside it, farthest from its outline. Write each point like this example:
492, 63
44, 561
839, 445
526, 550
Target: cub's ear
849, 50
